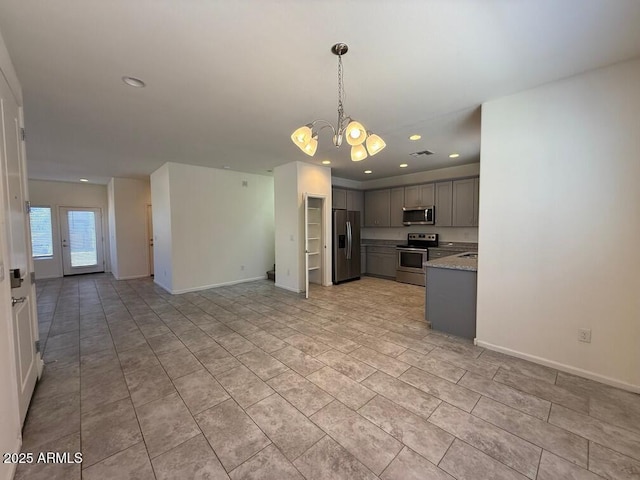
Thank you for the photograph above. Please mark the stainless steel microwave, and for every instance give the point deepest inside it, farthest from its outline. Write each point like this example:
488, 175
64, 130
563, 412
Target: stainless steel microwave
418, 215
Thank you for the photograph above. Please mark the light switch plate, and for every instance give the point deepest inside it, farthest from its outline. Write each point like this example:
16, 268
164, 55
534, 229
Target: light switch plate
1, 271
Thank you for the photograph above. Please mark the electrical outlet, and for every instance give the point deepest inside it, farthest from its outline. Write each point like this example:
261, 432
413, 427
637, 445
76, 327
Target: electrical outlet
584, 335
241, 267
288, 272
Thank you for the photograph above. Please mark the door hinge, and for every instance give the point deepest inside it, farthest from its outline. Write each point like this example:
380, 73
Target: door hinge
32, 275
27, 206
23, 134
37, 344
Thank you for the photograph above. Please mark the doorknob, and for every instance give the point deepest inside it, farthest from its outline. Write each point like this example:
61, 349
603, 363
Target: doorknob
17, 300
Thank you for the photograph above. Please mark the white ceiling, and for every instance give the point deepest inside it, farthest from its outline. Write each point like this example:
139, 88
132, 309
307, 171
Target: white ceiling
229, 80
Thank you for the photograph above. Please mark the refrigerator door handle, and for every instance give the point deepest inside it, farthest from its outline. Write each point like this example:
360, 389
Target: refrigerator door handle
349, 239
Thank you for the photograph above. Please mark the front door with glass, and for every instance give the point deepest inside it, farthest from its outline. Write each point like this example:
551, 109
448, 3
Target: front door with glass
82, 246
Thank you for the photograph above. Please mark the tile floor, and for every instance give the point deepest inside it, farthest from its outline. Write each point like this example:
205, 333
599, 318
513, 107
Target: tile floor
253, 382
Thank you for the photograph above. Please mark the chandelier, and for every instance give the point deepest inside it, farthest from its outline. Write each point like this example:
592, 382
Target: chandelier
306, 137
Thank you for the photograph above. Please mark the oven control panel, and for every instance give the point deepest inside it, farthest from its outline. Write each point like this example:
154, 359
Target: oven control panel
424, 240
424, 237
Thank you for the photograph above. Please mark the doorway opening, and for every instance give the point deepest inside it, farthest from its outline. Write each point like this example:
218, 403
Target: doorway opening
82, 240
317, 270
150, 239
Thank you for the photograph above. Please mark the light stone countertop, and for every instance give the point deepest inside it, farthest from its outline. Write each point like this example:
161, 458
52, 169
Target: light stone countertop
455, 262
461, 247
450, 246
380, 243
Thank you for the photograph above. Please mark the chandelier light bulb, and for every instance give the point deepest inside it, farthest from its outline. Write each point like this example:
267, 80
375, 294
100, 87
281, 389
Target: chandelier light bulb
374, 144
358, 153
302, 136
356, 134
311, 146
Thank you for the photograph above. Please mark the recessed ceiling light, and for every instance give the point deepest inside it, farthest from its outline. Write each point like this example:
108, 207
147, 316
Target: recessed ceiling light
226, 167
454, 155
403, 165
368, 172
415, 137
134, 82
84, 180
326, 162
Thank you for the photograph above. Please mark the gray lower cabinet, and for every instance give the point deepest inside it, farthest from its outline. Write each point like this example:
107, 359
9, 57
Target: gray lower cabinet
363, 260
376, 208
450, 303
381, 261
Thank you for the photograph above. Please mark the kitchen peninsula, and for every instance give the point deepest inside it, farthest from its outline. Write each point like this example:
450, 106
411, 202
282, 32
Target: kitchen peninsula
450, 303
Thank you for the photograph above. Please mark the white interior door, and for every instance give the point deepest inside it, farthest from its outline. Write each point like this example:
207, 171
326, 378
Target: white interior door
82, 249
23, 312
150, 238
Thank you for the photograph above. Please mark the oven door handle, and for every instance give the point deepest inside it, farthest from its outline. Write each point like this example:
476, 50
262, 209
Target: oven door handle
409, 249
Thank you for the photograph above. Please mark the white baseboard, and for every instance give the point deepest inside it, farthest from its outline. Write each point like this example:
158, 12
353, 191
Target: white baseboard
39, 365
10, 471
132, 277
48, 277
562, 367
164, 287
214, 285
291, 289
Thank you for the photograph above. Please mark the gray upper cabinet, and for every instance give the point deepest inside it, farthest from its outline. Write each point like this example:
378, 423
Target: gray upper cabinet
376, 208
339, 198
348, 200
355, 203
443, 204
419, 195
412, 196
464, 203
396, 204
455, 201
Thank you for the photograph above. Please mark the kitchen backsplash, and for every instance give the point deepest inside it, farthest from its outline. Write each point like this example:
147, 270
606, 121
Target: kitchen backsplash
446, 234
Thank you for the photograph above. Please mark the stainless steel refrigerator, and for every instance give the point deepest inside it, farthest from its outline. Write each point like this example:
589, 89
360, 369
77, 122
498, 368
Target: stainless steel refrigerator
346, 246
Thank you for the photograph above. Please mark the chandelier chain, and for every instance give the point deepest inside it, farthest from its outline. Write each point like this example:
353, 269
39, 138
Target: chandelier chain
340, 92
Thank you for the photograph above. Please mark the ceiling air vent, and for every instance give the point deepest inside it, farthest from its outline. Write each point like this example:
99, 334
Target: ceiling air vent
423, 152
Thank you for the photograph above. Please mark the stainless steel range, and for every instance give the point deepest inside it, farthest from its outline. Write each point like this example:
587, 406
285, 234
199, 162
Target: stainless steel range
411, 257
